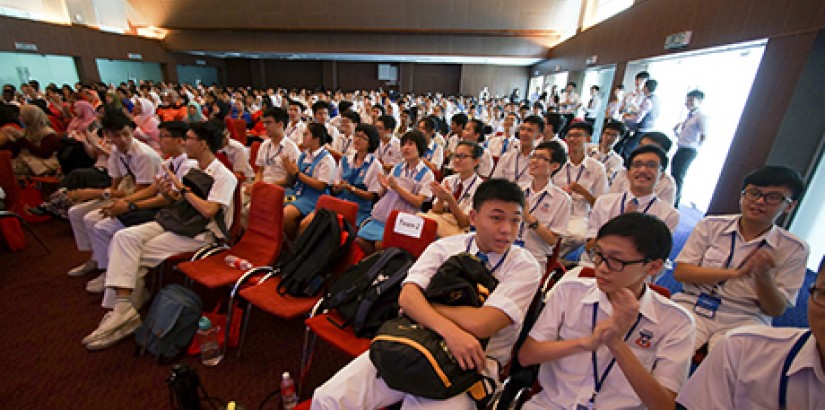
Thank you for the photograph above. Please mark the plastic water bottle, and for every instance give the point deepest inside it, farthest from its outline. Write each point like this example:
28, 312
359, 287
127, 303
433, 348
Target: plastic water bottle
289, 398
211, 353
238, 262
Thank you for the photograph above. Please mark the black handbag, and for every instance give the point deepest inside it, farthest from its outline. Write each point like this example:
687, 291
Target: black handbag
138, 216
181, 217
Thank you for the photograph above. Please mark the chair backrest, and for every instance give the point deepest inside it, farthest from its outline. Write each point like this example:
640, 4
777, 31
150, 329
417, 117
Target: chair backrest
588, 272
347, 209
253, 155
412, 233
237, 211
9, 181
237, 130
265, 223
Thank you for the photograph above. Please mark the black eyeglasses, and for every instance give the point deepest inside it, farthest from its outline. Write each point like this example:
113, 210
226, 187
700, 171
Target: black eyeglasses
817, 295
614, 264
771, 198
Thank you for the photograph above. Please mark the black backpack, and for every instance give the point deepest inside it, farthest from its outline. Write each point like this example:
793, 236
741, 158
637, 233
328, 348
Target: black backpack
366, 295
171, 323
306, 268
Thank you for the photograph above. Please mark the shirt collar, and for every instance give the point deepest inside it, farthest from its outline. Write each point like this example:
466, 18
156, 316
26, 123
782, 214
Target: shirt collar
642, 199
808, 358
314, 154
771, 237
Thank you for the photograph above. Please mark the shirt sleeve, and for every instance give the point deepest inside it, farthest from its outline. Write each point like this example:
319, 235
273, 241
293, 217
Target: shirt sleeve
695, 246
674, 355
562, 216
145, 168
598, 216
713, 385
516, 288
599, 181
262, 153
371, 179
325, 170
425, 184
438, 156
223, 188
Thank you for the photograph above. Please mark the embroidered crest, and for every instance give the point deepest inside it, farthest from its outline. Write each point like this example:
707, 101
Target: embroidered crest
644, 339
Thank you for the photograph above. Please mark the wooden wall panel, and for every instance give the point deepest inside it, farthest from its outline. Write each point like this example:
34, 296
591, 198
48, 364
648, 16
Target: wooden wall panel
238, 72
293, 74
436, 78
358, 76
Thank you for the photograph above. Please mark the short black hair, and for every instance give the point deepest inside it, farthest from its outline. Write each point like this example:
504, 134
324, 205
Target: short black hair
380, 108
115, 120
555, 120
372, 135
276, 113
480, 128
176, 129
344, 105
615, 125
210, 132
650, 236
320, 105
643, 149
498, 189
460, 119
698, 94
477, 150
300, 105
388, 121
352, 116
658, 138
535, 119
651, 85
320, 132
429, 123
642, 74
581, 125
573, 83
418, 138
559, 155
776, 175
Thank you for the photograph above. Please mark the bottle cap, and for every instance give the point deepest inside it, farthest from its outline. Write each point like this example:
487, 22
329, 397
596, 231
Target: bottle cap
285, 375
204, 323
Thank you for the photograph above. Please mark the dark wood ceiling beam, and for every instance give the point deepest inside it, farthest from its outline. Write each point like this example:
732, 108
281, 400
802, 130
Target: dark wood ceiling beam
386, 31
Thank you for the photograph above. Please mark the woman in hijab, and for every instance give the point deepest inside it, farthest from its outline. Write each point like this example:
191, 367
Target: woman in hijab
38, 144
194, 114
146, 128
83, 116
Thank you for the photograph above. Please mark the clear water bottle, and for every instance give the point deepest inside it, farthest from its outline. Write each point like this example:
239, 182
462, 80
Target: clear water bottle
238, 262
289, 398
211, 353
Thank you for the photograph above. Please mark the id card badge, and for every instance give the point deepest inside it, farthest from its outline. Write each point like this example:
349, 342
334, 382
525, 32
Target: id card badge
586, 406
519, 243
707, 305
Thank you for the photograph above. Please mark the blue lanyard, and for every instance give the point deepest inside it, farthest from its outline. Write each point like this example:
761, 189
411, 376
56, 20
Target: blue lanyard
533, 209
270, 159
599, 381
500, 261
466, 193
519, 174
384, 153
647, 208
429, 153
347, 141
733, 248
578, 177
783, 379
504, 146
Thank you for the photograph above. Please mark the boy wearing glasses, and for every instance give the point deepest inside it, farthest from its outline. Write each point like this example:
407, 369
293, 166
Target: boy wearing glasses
743, 269
613, 342
788, 370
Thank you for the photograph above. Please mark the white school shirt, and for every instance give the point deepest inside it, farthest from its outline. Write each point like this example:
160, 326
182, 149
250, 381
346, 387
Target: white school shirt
665, 188
694, 126
141, 161
513, 166
371, 175
496, 145
609, 206
295, 132
662, 341
222, 193
389, 153
613, 162
343, 144
179, 165
553, 213
239, 158
410, 184
518, 277
590, 174
469, 187
744, 369
270, 158
485, 163
325, 170
437, 156
709, 245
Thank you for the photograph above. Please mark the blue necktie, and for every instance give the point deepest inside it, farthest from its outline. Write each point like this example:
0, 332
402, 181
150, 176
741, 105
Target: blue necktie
483, 257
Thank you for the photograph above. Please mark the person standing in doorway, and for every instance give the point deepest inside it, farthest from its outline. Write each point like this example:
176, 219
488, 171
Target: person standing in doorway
690, 134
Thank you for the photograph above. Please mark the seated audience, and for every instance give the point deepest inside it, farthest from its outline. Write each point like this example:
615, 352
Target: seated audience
603, 151
389, 151
453, 197
37, 144
666, 187
513, 165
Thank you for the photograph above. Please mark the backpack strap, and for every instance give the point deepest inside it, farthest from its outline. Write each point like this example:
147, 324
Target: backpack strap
370, 298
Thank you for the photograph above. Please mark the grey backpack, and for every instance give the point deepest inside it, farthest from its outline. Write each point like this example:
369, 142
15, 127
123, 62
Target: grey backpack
171, 323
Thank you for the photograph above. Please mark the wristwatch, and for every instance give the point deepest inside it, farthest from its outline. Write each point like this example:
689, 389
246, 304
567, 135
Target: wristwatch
107, 193
133, 206
185, 190
534, 225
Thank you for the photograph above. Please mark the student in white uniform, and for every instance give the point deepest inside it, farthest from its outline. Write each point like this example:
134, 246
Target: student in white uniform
496, 213
505, 138
342, 144
130, 159
238, 156
514, 164
645, 165
743, 269
389, 151
433, 154
454, 196
294, 129
136, 249
612, 342
584, 179
547, 207
603, 151
172, 139
475, 130
666, 187
276, 149
755, 367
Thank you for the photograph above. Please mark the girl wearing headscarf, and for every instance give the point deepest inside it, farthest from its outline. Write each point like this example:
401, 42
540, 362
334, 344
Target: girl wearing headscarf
38, 144
194, 113
146, 128
83, 115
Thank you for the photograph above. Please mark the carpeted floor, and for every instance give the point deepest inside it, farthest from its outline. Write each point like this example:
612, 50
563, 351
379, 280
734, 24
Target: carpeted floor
45, 314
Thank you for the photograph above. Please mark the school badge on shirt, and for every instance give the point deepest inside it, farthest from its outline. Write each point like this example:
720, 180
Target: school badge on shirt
644, 339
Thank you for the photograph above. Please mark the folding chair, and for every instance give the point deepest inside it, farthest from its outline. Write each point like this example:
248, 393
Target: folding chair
11, 220
322, 324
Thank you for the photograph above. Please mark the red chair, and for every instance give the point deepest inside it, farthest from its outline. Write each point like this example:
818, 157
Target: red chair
322, 324
253, 155
264, 294
11, 219
237, 130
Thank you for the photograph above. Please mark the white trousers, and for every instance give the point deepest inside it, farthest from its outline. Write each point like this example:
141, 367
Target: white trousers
77, 215
357, 386
102, 231
135, 249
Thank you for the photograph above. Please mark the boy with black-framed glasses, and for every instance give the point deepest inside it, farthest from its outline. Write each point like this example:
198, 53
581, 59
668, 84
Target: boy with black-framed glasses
743, 269
612, 342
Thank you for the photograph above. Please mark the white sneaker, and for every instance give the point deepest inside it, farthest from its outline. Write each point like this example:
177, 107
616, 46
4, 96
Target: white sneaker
87, 267
96, 285
108, 340
115, 325
97, 332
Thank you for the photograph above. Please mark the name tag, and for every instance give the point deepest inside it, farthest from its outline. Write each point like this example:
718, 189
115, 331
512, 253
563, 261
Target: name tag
707, 305
519, 243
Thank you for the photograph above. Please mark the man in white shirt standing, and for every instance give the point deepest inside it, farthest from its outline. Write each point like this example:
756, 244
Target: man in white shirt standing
690, 135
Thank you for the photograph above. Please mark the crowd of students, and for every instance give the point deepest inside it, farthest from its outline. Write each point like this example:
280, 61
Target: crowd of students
512, 181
